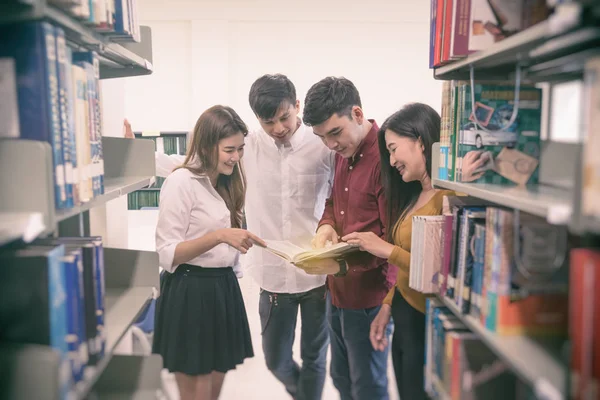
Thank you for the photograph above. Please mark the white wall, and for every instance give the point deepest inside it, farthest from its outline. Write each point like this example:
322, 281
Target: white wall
210, 52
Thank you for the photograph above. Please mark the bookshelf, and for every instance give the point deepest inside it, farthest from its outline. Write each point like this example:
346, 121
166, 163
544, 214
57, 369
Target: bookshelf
554, 42
26, 225
28, 211
537, 363
131, 277
553, 51
172, 142
117, 60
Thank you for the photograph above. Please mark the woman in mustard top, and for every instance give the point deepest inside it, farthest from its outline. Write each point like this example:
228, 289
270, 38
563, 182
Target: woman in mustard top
405, 139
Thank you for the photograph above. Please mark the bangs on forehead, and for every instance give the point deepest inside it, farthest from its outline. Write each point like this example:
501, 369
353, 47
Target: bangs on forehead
281, 110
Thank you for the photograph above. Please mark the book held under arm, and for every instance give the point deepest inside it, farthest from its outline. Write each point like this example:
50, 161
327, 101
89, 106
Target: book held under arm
296, 254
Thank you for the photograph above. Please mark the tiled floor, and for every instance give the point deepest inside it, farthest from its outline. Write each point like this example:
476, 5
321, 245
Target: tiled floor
252, 380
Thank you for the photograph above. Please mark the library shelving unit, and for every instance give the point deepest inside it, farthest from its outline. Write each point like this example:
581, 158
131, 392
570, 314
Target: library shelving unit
27, 211
550, 52
116, 59
172, 142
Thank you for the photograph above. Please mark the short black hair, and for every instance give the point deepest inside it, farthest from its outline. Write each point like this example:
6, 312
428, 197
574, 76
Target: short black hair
269, 92
331, 95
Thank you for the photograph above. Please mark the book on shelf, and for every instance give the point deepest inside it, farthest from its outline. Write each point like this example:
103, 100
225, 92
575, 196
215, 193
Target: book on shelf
116, 19
164, 142
591, 162
479, 274
511, 150
93, 286
584, 324
459, 365
296, 254
461, 27
53, 294
58, 101
36, 303
425, 260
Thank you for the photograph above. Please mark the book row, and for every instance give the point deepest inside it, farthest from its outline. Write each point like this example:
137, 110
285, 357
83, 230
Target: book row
514, 276
51, 93
461, 27
52, 293
511, 275
143, 198
459, 366
497, 123
117, 19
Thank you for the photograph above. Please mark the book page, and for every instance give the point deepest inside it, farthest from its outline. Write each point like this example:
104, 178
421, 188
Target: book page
332, 251
284, 248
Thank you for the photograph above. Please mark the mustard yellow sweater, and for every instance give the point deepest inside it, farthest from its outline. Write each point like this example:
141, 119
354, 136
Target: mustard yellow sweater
401, 254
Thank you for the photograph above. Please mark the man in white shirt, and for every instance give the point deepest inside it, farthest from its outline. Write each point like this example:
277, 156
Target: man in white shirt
290, 174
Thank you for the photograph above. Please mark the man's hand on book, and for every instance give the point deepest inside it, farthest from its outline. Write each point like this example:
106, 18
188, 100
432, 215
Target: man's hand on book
326, 266
370, 242
325, 234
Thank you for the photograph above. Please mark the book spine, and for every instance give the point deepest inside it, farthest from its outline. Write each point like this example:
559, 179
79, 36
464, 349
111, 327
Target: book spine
446, 41
9, 112
71, 124
73, 338
432, 22
61, 55
439, 24
55, 134
101, 292
460, 46
58, 312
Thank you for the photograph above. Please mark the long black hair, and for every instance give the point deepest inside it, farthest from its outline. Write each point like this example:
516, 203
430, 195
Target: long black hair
415, 121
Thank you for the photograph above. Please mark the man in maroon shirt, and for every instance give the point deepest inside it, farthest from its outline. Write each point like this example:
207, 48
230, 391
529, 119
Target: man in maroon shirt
357, 284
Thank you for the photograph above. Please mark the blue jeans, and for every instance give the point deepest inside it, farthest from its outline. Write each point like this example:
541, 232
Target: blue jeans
278, 315
359, 372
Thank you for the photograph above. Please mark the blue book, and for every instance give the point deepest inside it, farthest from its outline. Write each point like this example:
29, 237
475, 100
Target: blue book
34, 303
433, 17
33, 47
93, 286
63, 86
70, 91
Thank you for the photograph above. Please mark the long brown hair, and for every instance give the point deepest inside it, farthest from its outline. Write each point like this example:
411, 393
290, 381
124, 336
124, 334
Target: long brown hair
216, 123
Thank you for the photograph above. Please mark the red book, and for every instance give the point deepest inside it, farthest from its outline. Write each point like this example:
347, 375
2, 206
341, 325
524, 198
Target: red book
584, 323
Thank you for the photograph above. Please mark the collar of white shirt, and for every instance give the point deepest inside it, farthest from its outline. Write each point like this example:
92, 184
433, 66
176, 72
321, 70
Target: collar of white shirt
295, 140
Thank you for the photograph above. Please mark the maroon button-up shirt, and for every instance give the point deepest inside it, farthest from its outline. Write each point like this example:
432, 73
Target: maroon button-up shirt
357, 204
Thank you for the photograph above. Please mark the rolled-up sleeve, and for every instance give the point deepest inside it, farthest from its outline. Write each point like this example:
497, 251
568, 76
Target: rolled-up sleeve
173, 218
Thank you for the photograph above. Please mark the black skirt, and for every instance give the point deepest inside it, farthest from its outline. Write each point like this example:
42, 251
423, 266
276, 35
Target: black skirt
201, 323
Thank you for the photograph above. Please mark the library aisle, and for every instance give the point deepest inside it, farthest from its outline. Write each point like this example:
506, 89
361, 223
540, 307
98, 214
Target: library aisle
252, 379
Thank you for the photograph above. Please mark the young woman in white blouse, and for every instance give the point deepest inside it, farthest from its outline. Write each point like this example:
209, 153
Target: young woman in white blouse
201, 325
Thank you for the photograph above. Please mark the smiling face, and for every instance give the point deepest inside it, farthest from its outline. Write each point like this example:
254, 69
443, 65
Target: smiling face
283, 124
406, 155
342, 134
230, 152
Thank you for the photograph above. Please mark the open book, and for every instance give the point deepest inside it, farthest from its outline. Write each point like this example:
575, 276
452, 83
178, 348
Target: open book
296, 254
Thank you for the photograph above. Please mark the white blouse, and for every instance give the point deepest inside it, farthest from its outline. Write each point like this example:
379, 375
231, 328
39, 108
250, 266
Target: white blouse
286, 191
190, 208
